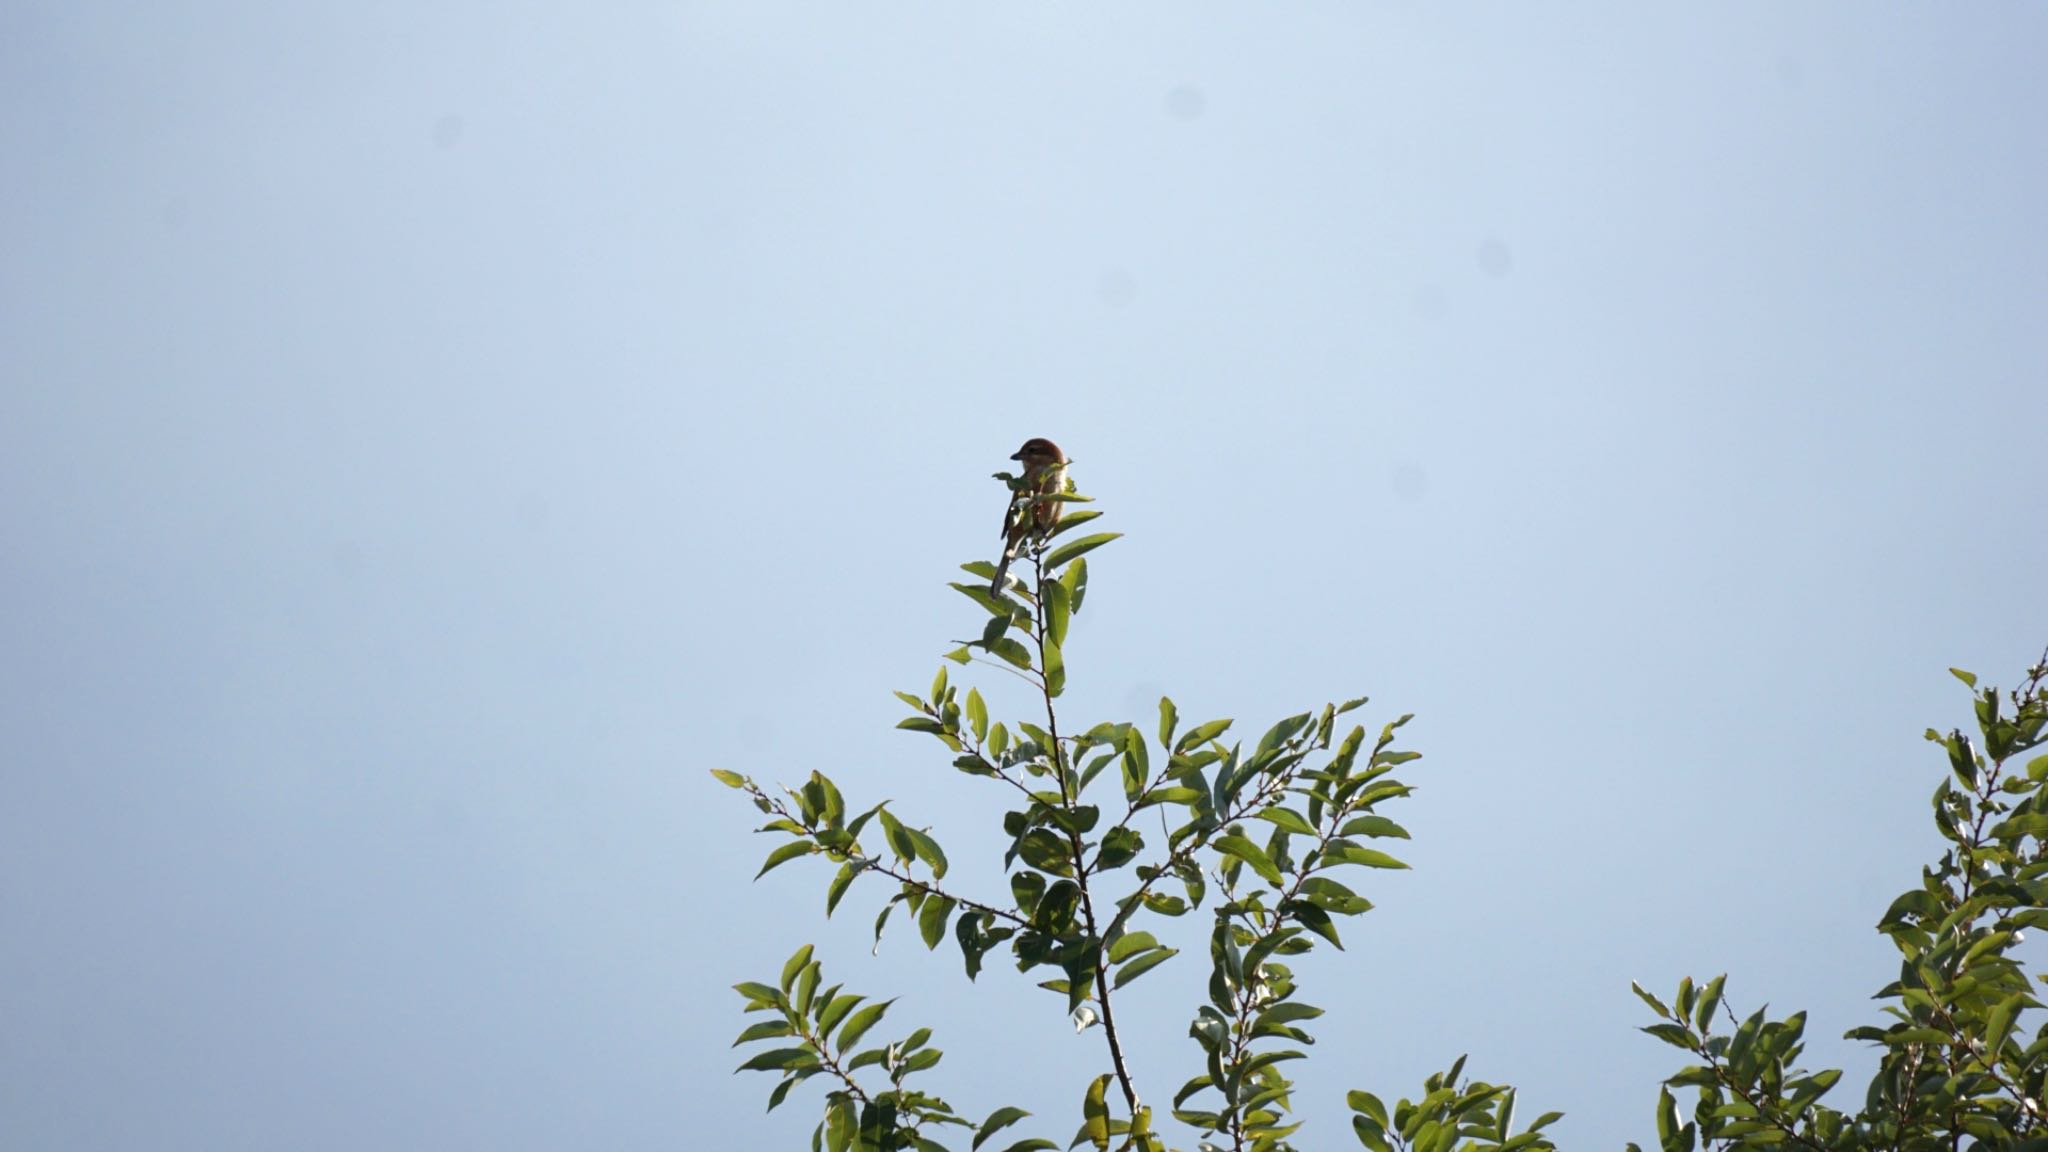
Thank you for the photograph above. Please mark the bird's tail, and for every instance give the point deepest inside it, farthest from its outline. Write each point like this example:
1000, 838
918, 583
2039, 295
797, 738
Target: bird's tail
995, 586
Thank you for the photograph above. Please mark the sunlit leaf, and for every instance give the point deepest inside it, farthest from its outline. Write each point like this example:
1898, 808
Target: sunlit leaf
1075, 548
785, 854
997, 1120
1144, 963
858, 1025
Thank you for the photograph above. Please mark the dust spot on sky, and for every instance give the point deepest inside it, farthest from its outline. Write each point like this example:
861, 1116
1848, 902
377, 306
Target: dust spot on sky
1791, 72
347, 558
532, 511
1116, 288
448, 132
1429, 303
1142, 701
1495, 259
1186, 102
450, 817
1411, 482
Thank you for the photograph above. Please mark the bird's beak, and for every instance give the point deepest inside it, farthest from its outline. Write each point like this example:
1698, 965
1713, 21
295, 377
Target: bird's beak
1017, 455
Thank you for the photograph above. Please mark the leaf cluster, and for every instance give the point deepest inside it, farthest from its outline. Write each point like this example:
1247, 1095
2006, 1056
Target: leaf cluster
1117, 831
1955, 1062
1127, 845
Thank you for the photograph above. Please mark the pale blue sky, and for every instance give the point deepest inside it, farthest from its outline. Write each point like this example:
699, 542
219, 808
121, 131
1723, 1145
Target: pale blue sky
431, 436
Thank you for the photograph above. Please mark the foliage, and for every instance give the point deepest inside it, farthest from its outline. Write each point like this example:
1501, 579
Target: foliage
1263, 839
1956, 1070
1263, 843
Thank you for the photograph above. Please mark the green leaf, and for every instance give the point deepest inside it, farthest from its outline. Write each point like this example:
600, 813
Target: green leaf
882, 919
1076, 580
1655, 1004
1672, 1034
928, 851
778, 1058
1343, 852
1998, 1024
1376, 826
977, 715
1074, 519
858, 1026
1057, 609
835, 891
999, 607
1165, 905
835, 1010
841, 1123
1054, 914
1144, 963
1095, 1111
1130, 944
1289, 819
761, 996
1074, 548
806, 987
729, 779
1169, 717
830, 804
765, 1030
1367, 1103
1012, 651
1026, 888
898, 837
794, 965
1264, 1059
1710, 1002
1045, 850
1289, 1011
785, 854
1120, 845
1332, 896
1966, 677
1201, 734
1255, 857
997, 1120
931, 919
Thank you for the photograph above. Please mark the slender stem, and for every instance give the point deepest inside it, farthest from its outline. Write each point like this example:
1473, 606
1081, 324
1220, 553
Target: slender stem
1240, 1046
1765, 1107
1070, 795
821, 1043
1002, 667
1267, 794
876, 864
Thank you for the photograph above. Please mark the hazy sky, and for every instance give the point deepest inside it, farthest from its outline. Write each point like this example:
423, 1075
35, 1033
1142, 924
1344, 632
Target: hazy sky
433, 435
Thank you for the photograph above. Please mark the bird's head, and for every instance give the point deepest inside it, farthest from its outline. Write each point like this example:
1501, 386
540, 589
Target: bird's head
1038, 452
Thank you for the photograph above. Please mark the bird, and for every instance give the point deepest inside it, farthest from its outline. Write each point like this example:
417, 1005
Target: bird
1045, 474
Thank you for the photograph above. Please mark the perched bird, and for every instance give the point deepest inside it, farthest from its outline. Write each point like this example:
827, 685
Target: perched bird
1045, 473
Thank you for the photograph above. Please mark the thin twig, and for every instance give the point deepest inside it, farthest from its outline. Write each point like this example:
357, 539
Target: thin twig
1069, 791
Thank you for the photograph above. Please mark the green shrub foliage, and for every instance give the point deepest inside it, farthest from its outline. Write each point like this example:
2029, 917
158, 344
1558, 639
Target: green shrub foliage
1121, 827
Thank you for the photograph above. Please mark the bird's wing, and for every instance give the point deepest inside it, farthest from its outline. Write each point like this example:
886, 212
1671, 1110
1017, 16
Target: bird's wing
1010, 514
